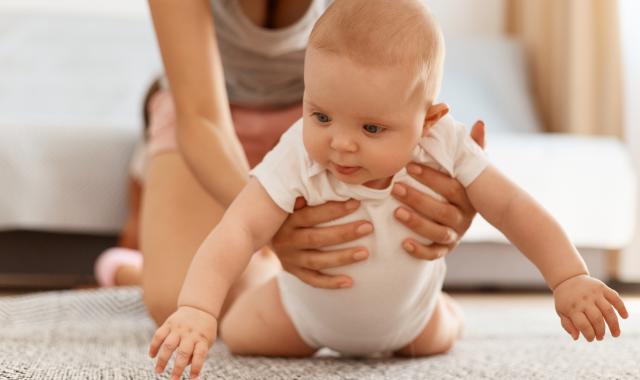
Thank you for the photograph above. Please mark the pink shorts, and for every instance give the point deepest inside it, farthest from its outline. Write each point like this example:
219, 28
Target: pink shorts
258, 129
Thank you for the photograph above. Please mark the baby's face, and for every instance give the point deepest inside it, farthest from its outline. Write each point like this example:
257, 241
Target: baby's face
361, 123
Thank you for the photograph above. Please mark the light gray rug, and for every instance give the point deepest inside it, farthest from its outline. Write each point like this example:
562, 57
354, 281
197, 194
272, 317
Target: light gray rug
104, 334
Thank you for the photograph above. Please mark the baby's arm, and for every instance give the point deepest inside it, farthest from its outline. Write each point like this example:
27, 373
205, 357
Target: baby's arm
581, 301
249, 223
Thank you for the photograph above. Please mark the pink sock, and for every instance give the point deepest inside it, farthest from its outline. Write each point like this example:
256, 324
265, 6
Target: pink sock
110, 260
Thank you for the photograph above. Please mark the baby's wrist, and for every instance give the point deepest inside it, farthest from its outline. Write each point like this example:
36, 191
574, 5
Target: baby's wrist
201, 309
562, 281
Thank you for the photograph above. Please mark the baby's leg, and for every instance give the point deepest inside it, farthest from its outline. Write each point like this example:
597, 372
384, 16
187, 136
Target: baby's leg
440, 333
256, 324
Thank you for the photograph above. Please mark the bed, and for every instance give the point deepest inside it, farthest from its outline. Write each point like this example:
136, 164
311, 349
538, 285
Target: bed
72, 80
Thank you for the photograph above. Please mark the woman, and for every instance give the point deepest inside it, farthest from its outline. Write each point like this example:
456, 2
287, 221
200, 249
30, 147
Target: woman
202, 128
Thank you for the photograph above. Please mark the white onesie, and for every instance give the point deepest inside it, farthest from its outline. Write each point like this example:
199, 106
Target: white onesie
393, 294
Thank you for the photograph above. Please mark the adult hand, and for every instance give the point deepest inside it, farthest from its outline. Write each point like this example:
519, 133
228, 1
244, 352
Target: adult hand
441, 222
298, 242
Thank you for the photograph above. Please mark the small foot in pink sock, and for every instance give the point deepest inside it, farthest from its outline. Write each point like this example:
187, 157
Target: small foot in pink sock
110, 260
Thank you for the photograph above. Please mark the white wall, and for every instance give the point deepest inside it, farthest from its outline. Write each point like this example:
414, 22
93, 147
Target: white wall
630, 28
469, 17
126, 8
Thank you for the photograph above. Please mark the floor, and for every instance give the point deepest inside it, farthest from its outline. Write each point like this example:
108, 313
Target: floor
631, 299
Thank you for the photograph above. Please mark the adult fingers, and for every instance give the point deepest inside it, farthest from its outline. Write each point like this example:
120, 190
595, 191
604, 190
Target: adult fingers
438, 211
318, 237
609, 316
317, 260
569, 327
159, 336
597, 320
425, 252
478, 133
321, 280
441, 183
166, 350
581, 321
614, 298
199, 356
326, 212
425, 227
300, 203
183, 357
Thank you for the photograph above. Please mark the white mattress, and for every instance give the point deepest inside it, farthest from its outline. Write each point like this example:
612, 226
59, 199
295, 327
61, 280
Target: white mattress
588, 184
70, 90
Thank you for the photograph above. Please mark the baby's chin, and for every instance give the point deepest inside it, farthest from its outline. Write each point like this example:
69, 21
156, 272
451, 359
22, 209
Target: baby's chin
380, 183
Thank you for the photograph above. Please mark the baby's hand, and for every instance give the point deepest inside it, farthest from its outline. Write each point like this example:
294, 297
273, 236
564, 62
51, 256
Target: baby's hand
190, 332
584, 303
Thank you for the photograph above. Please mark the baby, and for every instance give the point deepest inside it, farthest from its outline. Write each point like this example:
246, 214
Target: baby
372, 72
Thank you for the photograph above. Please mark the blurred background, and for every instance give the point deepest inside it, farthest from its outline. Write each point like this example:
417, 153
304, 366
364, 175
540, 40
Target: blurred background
556, 81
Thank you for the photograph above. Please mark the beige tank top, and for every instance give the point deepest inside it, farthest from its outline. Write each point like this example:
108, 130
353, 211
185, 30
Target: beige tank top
262, 66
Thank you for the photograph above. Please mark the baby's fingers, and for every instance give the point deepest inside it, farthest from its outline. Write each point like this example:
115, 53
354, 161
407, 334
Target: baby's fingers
569, 327
183, 357
609, 316
166, 350
597, 320
614, 298
582, 323
199, 356
157, 340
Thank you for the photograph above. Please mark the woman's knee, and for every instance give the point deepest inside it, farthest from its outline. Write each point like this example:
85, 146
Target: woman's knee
159, 305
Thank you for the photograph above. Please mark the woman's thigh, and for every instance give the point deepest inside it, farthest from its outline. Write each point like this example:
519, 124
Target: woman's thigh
177, 213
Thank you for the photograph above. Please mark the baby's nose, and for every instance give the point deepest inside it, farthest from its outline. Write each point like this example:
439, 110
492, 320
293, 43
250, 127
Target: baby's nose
343, 142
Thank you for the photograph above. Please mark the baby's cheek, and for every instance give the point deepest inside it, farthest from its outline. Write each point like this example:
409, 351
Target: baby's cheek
389, 163
314, 147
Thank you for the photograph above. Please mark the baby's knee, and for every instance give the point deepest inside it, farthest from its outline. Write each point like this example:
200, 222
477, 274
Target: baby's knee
231, 334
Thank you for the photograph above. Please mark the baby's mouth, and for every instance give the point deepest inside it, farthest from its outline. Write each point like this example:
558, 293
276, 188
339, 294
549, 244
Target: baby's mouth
346, 170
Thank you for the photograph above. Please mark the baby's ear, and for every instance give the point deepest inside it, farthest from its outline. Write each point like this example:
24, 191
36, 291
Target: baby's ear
434, 113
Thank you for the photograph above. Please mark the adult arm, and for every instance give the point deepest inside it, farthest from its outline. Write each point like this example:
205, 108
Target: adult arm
206, 138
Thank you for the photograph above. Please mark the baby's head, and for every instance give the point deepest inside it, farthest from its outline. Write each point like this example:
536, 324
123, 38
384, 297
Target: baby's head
372, 72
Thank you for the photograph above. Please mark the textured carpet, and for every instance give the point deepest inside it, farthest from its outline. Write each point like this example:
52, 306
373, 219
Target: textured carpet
104, 334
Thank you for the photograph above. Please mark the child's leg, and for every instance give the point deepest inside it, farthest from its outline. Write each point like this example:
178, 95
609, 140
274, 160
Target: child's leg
257, 324
440, 333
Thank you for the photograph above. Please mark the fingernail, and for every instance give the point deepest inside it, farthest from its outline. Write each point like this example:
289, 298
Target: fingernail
364, 229
344, 284
399, 190
360, 255
451, 236
352, 204
414, 169
409, 246
402, 214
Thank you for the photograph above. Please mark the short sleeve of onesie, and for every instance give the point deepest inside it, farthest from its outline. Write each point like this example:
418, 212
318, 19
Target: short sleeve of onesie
282, 170
449, 144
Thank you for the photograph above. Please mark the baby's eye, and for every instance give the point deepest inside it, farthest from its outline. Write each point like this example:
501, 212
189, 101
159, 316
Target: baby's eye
373, 129
321, 117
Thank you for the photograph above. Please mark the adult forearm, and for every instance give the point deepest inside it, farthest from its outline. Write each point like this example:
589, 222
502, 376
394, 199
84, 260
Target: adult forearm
214, 155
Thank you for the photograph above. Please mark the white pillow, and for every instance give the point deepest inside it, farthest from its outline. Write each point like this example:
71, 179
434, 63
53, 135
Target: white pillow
486, 78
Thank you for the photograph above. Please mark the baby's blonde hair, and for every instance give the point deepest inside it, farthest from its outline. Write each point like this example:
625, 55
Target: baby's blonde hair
384, 33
